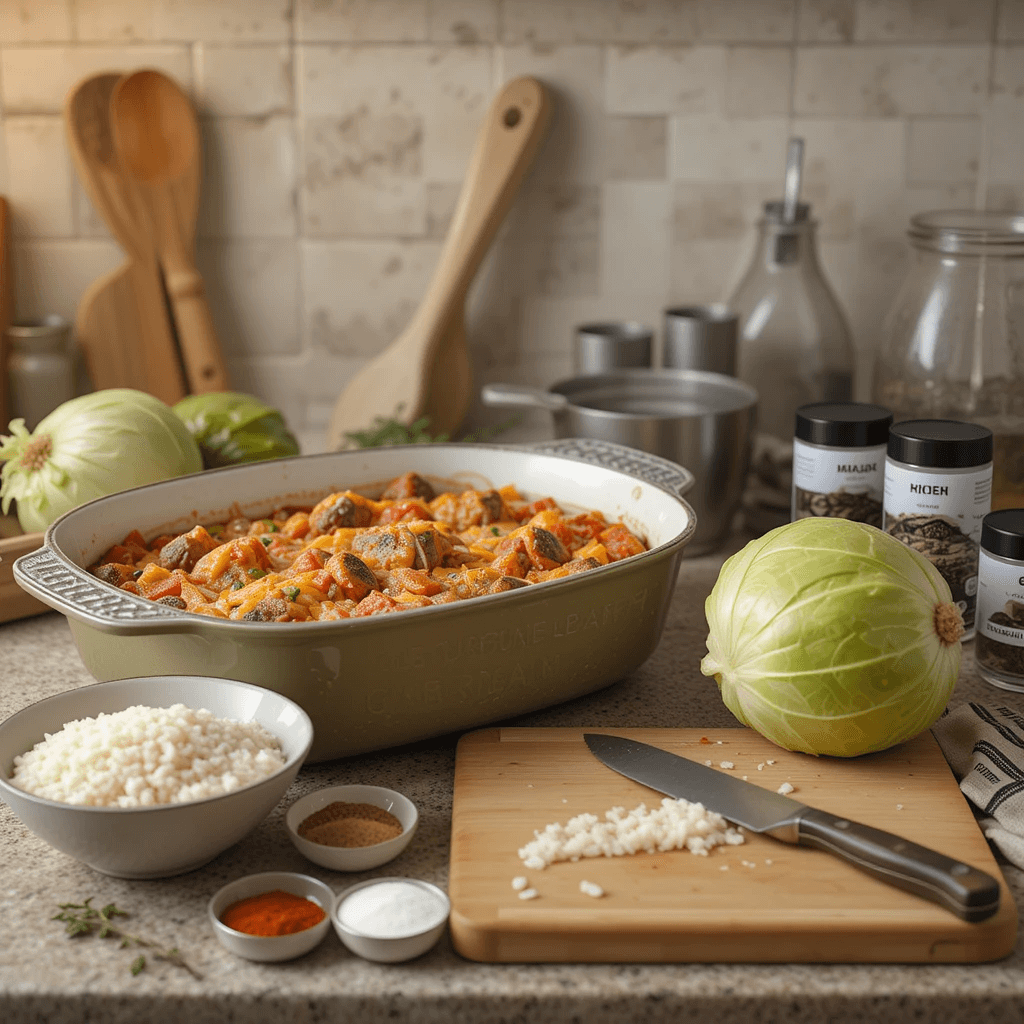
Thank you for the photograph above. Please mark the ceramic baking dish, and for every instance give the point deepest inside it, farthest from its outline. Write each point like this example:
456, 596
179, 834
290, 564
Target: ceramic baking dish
378, 682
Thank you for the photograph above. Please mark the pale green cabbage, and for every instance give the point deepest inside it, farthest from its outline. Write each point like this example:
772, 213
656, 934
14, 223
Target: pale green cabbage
831, 637
89, 447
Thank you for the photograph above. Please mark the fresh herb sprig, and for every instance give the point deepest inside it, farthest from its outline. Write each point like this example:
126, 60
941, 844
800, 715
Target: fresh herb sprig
388, 430
84, 919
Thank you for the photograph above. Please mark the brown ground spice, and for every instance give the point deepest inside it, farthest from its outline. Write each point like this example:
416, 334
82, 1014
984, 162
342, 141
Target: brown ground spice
345, 824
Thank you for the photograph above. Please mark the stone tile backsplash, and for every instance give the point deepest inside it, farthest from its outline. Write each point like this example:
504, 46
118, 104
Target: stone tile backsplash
336, 136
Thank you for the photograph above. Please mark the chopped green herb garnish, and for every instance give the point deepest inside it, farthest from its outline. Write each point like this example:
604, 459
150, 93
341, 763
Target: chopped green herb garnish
495, 531
292, 593
257, 574
237, 585
266, 541
136, 574
215, 529
270, 525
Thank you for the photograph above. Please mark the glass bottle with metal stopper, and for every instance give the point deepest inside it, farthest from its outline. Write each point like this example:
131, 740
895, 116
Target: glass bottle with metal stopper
794, 345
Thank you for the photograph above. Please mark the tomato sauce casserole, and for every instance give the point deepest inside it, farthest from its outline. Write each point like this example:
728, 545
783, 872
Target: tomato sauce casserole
351, 556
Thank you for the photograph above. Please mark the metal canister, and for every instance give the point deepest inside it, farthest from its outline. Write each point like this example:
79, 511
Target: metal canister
601, 347
40, 371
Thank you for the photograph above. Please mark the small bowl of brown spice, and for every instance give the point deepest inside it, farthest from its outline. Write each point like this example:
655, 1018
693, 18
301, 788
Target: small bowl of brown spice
351, 828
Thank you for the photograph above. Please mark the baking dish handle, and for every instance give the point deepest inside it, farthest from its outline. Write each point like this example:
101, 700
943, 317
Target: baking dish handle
75, 593
669, 476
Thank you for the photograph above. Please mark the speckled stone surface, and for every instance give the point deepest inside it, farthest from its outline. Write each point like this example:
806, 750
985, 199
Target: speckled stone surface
44, 976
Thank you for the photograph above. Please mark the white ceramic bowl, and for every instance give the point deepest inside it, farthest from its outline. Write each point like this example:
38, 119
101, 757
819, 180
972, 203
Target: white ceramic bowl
397, 948
271, 948
153, 842
352, 858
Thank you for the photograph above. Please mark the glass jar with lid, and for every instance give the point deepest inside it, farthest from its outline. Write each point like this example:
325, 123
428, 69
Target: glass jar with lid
952, 346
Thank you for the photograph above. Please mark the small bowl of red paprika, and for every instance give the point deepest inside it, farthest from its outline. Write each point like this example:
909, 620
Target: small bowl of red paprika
272, 916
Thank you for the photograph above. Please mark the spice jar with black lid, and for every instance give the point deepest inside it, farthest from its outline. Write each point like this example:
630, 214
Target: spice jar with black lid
938, 490
839, 461
1000, 647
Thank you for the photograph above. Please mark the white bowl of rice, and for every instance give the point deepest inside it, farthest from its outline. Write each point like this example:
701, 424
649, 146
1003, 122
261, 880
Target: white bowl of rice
151, 777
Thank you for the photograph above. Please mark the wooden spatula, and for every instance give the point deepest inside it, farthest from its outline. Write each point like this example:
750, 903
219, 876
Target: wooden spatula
135, 347
426, 370
156, 139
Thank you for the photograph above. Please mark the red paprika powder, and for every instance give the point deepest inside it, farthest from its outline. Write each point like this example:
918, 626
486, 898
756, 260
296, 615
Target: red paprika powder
273, 913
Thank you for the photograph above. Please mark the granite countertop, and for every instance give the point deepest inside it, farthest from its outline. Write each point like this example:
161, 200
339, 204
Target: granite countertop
45, 976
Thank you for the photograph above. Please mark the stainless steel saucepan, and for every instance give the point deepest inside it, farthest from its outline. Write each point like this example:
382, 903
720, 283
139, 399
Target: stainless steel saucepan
700, 420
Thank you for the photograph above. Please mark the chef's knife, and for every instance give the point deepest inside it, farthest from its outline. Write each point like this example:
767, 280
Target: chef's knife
969, 893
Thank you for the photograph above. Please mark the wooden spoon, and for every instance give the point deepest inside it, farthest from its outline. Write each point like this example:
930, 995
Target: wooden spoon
156, 138
140, 351
426, 370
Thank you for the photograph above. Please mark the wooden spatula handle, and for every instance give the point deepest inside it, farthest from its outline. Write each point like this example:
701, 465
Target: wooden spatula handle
197, 337
509, 138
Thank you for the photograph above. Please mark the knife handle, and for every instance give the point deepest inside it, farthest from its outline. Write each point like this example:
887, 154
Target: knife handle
969, 893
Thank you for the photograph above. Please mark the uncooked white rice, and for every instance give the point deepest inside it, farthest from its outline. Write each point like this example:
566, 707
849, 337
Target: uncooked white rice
676, 825
145, 757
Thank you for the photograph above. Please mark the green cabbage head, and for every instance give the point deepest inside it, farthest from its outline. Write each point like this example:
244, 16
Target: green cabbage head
831, 637
230, 427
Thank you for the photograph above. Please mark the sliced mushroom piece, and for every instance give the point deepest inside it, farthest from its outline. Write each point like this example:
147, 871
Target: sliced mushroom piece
270, 609
354, 577
336, 511
409, 485
185, 550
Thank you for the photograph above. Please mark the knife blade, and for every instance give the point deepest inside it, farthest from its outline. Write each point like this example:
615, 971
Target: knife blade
967, 892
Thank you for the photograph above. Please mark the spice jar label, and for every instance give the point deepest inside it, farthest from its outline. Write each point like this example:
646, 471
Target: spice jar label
940, 513
840, 483
1001, 600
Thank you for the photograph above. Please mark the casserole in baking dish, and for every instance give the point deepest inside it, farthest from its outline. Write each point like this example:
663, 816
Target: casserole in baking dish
380, 681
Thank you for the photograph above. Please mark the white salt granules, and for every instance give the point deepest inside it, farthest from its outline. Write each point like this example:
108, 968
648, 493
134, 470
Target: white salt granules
786, 787
726, 764
591, 889
519, 883
529, 894
675, 825
145, 757
392, 910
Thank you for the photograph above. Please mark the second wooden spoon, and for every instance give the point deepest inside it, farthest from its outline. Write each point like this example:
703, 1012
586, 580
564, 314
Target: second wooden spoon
156, 136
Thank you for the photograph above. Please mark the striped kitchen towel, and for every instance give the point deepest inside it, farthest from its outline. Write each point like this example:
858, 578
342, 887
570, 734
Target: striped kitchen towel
984, 746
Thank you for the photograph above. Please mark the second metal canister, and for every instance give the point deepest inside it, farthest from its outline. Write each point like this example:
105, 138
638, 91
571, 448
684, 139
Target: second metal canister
700, 338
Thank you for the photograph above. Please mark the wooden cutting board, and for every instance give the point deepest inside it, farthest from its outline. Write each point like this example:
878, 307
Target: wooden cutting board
762, 901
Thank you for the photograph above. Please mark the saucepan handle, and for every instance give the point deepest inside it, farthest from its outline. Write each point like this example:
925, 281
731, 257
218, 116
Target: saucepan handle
75, 593
523, 397
663, 473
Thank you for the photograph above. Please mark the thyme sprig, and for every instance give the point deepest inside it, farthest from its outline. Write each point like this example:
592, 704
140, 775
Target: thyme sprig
84, 919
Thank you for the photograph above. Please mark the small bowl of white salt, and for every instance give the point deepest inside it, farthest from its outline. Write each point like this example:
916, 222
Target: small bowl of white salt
391, 919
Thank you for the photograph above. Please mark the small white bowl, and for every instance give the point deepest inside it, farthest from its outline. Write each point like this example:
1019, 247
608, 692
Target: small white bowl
352, 858
391, 950
271, 948
168, 839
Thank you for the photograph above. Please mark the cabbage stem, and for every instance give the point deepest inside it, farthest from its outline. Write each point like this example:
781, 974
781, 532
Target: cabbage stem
37, 451
949, 624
